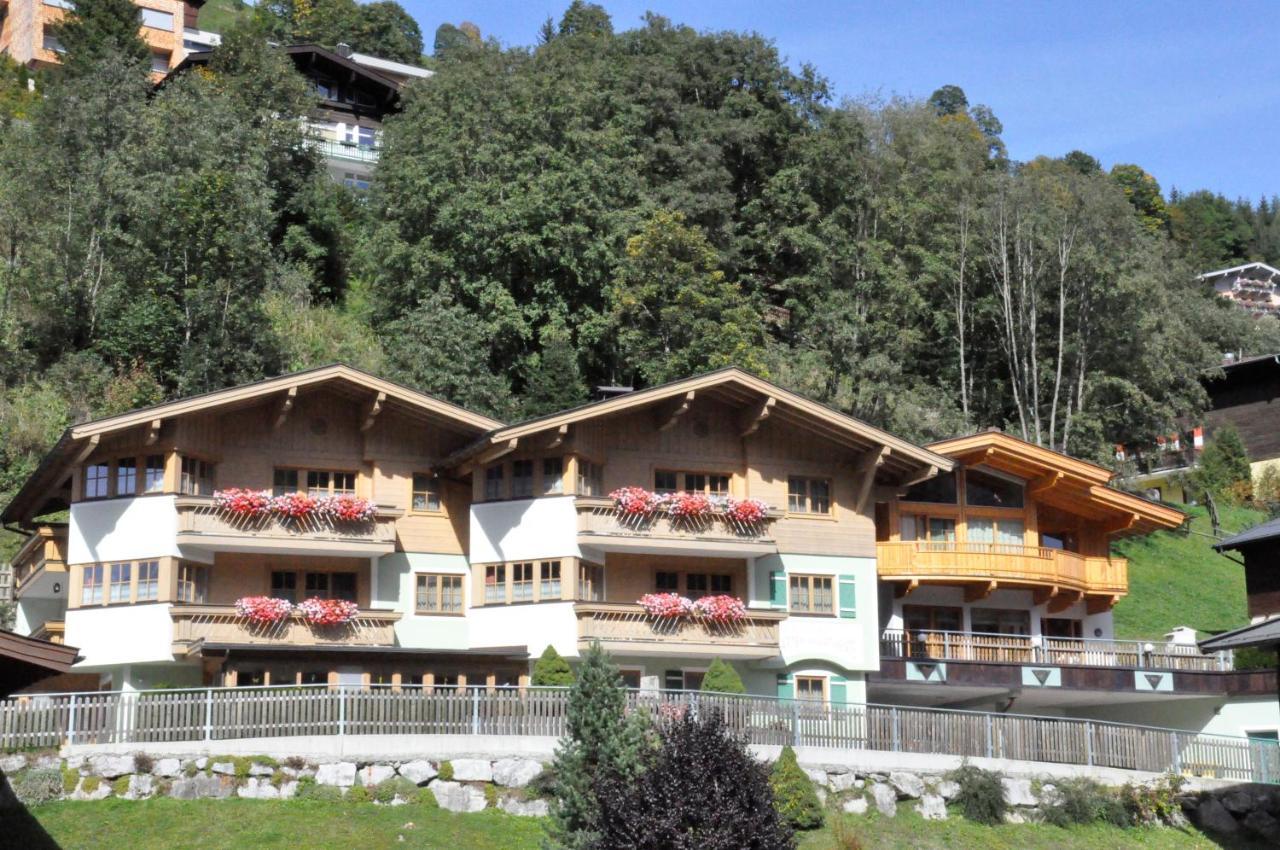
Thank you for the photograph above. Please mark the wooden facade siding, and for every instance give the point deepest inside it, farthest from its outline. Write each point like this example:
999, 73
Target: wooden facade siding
1034, 566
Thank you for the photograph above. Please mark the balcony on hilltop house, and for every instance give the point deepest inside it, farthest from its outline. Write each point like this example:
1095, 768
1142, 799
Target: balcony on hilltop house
602, 524
197, 626
41, 559
204, 525
627, 629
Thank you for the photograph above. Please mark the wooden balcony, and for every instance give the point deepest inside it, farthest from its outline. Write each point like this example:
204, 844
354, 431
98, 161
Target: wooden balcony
53, 631
1022, 649
203, 525
600, 524
194, 626
1063, 577
44, 552
625, 628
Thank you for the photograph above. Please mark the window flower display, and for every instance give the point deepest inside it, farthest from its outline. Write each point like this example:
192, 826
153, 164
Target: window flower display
293, 505
263, 610
689, 505
636, 500
666, 605
327, 612
242, 501
746, 511
348, 508
720, 609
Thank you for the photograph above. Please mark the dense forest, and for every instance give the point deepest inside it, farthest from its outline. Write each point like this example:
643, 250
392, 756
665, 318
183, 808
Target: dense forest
601, 207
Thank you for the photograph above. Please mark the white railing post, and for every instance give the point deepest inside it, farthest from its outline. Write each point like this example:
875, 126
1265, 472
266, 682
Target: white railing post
475, 711
342, 711
990, 738
208, 714
1088, 743
895, 733
795, 723
1177, 754
71, 722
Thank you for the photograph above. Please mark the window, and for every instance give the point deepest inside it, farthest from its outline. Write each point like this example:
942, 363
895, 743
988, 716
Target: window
91, 591
590, 478
426, 493
808, 495
1002, 532
284, 481
590, 582
495, 583
343, 586
197, 477
353, 134
696, 585
550, 578
931, 528
323, 482
702, 584
522, 582
722, 584
193, 583
359, 182
316, 584
664, 481
97, 481
156, 19
812, 595
631, 677
1000, 621
1062, 627
673, 680
121, 579
991, 491
811, 688
521, 479
941, 490
439, 594
326, 89
126, 476
154, 480
284, 585
666, 582
51, 43
932, 618
493, 482
552, 476
60, 4
692, 679
148, 581
160, 63
668, 481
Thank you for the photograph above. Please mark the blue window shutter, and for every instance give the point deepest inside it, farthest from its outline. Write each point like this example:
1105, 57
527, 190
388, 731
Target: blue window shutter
786, 687
839, 691
848, 596
778, 588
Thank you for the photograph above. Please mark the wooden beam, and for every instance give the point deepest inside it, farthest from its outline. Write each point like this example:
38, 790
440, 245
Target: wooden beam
1041, 595
1064, 600
1123, 524
153, 431
975, 592
1044, 483
923, 473
864, 476
489, 455
905, 588
666, 417
1099, 604
371, 413
286, 405
750, 423
557, 439
85, 450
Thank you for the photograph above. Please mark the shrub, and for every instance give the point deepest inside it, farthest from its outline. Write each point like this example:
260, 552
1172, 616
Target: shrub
70, 779
981, 795
120, 786
543, 786
844, 835
793, 793
34, 787
700, 788
143, 763
1082, 801
425, 797
190, 770
295, 762
309, 789
445, 772
551, 670
358, 794
397, 786
277, 778
491, 795
1148, 805
722, 678
90, 784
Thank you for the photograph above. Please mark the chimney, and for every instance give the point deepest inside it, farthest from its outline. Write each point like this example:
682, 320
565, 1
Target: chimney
343, 49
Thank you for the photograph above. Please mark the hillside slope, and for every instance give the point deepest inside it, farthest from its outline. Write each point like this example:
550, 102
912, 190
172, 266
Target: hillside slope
1177, 579
217, 15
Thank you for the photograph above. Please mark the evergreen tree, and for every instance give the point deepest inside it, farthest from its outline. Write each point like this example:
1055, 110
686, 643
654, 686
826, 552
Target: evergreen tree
551, 670
793, 794
722, 678
553, 380
97, 30
1224, 469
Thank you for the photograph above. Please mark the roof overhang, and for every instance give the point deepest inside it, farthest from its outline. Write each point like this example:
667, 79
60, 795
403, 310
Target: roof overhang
1263, 635
26, 660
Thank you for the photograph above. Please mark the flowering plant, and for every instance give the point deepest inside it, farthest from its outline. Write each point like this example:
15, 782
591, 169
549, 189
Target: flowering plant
720, 609
666, 605
242, 501
327, 612
636, 500
748, 511
689, 505
293, 505
261, 610
348, 508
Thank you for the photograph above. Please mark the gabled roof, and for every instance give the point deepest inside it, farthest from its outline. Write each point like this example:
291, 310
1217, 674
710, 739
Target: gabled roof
1068, 483
1261, 267
1263, 635
1267, 532
26, 660
762, 398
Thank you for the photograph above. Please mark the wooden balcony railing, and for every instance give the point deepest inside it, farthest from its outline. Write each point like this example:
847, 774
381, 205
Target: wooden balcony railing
1020, 649
597, 517
45, 550
202, 523
196, 625
625, 627
1036, 565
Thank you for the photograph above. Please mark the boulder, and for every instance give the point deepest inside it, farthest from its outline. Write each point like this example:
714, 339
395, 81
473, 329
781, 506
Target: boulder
49, 761
472, 770
885, 798
946, 789
838, 782
76, 762
257, 769
111, 767
856, 806
167, 767
1263, 826
288, 789
1017, 792
372, 774
420, 771
141, 786
908, 785
202, 763
1014, 817
1049, 794
524, 808
223, 768
100, 793
339, 773
514, 773
1212, 816
12, 764
201, 786
455, 797
932, 807
816, 775
255, 788
1237, 801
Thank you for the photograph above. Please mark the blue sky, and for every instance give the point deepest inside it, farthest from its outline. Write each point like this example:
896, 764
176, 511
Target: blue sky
1188, 90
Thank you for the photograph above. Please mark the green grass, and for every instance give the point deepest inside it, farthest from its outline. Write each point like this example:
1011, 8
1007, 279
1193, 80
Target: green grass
1176, 579
217, 15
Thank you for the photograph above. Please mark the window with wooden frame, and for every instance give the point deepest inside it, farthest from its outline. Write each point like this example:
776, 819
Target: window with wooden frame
127, 476
552, 476
590, 478
328, 482
148, 581
97, 481
91, 585
438, 593
808, 495
631, 677
493, 483
193, 583
425, 497
197, 477
522, 582
665, 582
710, 483
284, 585
811, 688
521, 479
590, 582
495, 583
933, 529
549, 578
121, 584
153, 477
812, 594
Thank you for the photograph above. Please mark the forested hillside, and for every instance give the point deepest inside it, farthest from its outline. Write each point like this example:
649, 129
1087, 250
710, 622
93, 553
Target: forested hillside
601, 207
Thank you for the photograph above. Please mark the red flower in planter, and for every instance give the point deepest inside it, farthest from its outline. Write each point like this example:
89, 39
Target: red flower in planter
746, 511
327, 612
295, 505
244, 502
348, 508
262, 610
635, 500
665, 605
720, 609
689, 505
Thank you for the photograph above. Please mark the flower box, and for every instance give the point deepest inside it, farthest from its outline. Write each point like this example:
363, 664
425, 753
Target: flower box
666, 605
327, 612
263, 610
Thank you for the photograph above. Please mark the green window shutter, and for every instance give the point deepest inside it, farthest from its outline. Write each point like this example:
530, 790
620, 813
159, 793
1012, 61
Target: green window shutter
839, 691
786, 687
848, 596
778, 588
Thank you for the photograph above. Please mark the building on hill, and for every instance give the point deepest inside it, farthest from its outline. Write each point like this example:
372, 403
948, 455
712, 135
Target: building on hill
355, 92
1253, 287
168, 28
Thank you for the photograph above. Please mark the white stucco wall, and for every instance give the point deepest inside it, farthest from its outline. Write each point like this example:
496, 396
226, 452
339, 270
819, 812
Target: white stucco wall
524, 529
535, 626
396, 588
122, 530
128, 634
847, 643
1217, 715
33, 612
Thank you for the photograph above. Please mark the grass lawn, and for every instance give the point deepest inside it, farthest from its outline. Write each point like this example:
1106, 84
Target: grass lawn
217, 15
1176, 579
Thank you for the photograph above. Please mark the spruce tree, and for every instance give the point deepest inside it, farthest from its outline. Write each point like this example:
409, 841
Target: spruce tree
551, 670
793, 793
722, 678
101, 29
553, 380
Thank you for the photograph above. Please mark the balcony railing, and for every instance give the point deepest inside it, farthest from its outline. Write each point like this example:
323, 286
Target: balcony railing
1021, 649
197, 625
923, 559
45, 550
598, 517
201, 522
332, 149
625, 627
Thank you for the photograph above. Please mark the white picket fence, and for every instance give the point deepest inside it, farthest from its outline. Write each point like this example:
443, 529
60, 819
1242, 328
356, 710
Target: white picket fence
221, 714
